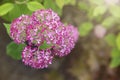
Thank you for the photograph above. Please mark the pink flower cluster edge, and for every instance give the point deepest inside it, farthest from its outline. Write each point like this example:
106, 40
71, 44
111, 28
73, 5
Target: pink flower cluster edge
43, 26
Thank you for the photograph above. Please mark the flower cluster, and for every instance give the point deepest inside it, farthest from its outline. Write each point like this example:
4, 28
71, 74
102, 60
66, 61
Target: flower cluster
36, 58
43, 26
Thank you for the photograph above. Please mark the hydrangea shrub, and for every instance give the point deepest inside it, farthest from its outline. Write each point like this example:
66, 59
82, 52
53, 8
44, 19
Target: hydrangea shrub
43, 26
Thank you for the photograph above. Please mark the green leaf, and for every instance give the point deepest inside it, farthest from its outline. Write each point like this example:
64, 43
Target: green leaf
17, 11
45, 46
108, 22
51, 4
111, 40
118, 41
115, 11
99, 10
85, 28
5, 8
60, 3
7, 26
115, 53
34, 5
115, 62
14, 50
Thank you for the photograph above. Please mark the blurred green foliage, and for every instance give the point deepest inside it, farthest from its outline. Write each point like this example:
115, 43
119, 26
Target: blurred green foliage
108, 16
118, 41
85, 28
110, 39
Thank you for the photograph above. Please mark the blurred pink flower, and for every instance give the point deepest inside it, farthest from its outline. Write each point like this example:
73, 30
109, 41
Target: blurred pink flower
111, 2
99, 31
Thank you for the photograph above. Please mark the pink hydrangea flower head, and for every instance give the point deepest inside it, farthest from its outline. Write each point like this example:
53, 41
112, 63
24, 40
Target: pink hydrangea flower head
74, 32
18, 28
43, 28
36, 58
45, 16
52, 35
38, 33
66, 39
35, 34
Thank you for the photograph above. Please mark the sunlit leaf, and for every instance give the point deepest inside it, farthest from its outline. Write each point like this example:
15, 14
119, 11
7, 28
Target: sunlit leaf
5, 8
17, 11
108, 22
115, 11
60, 3
34, 5
51, 4
99, 10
